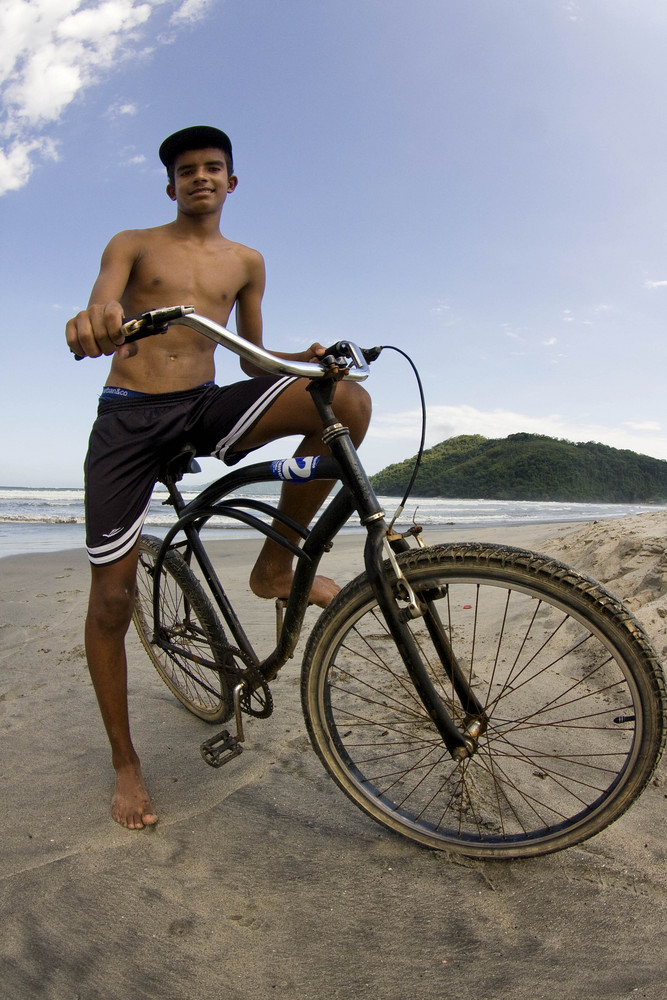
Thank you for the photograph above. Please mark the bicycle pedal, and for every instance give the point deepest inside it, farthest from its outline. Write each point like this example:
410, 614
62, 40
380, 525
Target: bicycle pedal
220, 749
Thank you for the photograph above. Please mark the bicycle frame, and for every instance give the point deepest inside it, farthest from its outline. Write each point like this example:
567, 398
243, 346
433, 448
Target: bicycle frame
356, 494
211, 503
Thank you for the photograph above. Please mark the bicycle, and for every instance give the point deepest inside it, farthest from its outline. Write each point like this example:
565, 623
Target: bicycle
476, 698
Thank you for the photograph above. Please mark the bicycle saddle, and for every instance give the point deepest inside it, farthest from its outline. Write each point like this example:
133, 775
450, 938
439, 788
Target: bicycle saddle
184, 461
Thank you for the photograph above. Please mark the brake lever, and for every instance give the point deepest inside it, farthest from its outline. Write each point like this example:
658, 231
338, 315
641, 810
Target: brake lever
354, 353
344, 351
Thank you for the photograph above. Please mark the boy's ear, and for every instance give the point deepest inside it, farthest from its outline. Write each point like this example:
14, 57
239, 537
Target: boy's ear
171, 191
233, 181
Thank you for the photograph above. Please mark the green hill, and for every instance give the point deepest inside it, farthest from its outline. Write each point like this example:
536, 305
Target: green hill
530, 467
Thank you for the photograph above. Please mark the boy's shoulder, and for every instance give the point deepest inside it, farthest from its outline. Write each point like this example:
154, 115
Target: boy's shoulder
137, 236
251, 259
248, 253
131, 242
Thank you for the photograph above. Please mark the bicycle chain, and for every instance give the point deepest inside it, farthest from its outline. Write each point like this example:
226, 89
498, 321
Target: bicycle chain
256, 699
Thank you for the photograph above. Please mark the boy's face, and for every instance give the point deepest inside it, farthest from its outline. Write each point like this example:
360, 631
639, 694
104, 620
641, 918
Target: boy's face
201, 181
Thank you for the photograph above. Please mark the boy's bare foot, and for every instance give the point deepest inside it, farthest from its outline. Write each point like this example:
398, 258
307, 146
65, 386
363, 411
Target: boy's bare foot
131, 805
266, 583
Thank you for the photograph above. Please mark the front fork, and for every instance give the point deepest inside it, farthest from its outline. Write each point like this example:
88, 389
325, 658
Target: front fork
460, 744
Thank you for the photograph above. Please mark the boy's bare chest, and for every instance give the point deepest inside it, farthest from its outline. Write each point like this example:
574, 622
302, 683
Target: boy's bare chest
198, 275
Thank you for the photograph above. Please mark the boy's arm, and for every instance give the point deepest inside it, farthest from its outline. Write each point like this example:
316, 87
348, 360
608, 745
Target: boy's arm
249, 318
97, 329
249, 308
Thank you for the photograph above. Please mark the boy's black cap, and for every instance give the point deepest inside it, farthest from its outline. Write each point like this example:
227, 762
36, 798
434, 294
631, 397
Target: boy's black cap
195, 137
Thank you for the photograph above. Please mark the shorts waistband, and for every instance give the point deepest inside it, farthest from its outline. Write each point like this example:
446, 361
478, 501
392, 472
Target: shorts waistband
114, 392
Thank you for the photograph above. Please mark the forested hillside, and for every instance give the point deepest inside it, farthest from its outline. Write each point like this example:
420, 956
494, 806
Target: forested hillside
530, 467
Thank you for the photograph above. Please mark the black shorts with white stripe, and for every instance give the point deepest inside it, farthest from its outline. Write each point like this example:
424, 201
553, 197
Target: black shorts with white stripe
133, 438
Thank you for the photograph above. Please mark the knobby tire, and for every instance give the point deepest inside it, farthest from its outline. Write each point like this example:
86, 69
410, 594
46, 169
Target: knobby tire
572, 690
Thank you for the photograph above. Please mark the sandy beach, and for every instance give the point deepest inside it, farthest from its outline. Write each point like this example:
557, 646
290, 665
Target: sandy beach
261, 879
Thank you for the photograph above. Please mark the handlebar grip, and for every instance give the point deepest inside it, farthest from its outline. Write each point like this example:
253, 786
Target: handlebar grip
149, 323
134, 328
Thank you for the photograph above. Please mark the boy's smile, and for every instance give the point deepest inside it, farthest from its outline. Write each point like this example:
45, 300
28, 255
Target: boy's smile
200, 176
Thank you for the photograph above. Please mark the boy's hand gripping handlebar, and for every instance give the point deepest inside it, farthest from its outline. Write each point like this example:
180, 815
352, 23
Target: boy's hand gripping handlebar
149, 323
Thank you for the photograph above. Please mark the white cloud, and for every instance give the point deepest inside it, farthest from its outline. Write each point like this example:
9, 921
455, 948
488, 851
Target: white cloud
16, 163
655, 284
49, 81
50, 52
119, 110
189, 11
645, 437
440, 308
92, 26
643, 425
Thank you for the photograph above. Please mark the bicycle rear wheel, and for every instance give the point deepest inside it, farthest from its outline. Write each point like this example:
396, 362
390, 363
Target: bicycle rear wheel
570, 685
191, 627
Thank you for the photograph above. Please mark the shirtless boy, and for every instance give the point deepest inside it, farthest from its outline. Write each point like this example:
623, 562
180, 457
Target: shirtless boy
160, 392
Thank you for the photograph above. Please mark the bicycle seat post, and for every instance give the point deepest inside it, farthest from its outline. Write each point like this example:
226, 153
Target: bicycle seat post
174, 471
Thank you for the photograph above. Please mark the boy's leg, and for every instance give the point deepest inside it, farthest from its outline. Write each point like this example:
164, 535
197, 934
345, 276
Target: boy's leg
112, 596
294, 413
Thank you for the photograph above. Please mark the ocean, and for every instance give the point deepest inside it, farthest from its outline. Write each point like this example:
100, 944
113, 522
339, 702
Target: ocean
45, 519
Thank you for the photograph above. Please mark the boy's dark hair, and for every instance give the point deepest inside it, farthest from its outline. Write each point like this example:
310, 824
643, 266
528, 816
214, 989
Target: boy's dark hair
195, 137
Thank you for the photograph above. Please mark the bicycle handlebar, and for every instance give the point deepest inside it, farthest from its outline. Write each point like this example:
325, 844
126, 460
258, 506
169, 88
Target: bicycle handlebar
343, 360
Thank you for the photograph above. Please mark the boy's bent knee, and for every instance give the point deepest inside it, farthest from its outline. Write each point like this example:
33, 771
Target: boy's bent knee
353, 407
363, 401
356, 397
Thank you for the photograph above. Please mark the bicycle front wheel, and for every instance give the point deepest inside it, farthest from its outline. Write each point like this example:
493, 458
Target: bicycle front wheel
572, 693
189, 627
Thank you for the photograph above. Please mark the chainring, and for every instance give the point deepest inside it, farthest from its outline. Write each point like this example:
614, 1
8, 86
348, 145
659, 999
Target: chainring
256, 699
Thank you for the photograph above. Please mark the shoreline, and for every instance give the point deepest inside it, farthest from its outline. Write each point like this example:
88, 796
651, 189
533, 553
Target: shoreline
23, 538
628, 555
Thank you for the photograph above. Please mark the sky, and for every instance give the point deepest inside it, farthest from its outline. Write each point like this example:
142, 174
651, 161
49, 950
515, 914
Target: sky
482, 183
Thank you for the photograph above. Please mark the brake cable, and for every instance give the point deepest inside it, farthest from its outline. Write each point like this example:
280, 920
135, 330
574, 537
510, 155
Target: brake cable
420, 452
